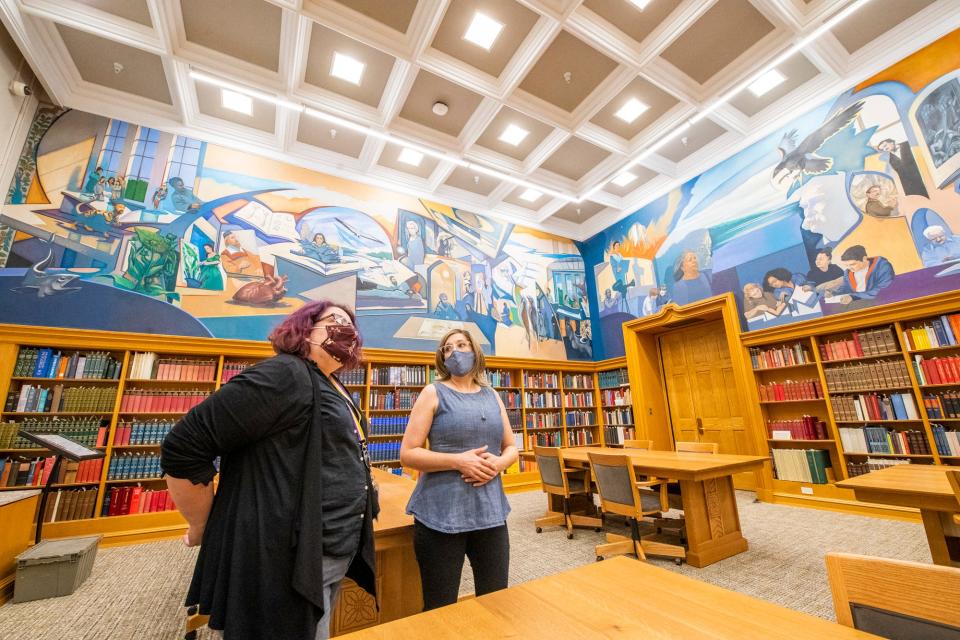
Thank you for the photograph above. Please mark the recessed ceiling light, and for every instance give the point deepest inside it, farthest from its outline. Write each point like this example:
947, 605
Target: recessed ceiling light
483, 31
513, 134
639, 4
347, 68
411, 157
530, 195
236, 102
624, 179
631, 110
766, 82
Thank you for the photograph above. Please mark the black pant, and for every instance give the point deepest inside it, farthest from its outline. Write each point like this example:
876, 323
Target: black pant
440, 556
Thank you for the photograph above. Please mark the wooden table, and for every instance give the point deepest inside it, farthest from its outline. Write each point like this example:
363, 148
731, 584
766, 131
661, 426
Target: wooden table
616, 598
18, 510
706, 487
923, 487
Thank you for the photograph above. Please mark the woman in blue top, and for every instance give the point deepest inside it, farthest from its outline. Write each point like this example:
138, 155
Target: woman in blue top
459, 507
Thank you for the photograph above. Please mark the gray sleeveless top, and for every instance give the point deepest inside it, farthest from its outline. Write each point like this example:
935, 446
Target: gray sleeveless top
442, 500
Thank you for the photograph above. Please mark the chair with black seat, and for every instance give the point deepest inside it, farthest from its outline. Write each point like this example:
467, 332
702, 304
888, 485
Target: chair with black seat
621, 493
565, 483
895, 599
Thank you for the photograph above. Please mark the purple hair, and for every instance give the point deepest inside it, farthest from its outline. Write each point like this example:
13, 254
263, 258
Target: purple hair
290, 336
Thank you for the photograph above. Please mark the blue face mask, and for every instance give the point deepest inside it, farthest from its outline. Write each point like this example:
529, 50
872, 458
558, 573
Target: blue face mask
460, 363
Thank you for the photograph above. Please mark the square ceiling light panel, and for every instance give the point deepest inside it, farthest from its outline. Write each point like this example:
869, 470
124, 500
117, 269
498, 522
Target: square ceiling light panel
347, 68
325, 45
721, 35
228, 105
459, 20
586, 67
657, 100
251, 34
798, 71
623, 184
531, 203
631, 20
505, 125
405, 160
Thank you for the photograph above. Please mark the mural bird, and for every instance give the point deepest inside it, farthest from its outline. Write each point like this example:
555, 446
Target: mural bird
798, 161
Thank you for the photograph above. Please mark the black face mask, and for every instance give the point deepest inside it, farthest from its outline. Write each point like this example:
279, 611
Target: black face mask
341, 343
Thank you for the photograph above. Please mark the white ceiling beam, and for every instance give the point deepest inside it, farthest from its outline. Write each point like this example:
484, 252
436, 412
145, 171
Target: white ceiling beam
99, 23
424, 23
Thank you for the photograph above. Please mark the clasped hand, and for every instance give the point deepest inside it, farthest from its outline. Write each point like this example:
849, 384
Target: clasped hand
478, 466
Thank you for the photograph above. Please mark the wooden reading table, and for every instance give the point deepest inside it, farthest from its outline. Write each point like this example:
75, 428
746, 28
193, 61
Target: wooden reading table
921, 486
706, 486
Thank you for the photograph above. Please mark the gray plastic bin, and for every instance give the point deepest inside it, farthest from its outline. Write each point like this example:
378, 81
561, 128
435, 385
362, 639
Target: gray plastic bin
54, 568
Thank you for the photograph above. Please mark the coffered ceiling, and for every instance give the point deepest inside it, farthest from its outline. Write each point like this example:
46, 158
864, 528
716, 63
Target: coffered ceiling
537, 125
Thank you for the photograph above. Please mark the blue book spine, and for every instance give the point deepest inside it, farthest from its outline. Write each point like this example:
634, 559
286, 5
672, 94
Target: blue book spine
945, 321
43, 357
899, 409
53, 366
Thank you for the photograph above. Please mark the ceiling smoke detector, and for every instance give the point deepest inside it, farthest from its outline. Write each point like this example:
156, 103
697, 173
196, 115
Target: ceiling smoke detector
117, 67
440, 108
333, 134
567, 77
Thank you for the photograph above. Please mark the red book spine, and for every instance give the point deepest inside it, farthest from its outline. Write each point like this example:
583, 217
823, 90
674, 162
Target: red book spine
114, 507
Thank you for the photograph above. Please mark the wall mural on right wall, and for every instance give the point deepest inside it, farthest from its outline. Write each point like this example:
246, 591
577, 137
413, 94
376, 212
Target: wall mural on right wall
855, 204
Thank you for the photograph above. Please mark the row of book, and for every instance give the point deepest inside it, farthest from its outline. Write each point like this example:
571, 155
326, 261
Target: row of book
384, 451
128, 465
616, 397
867, 375
388, 425
515, 418
581, 419
35, 362
122, 501
579, 437
542, 399
407, 375
874, 406
615, 378
787, 355
34, 472
579, 399
544, 439
511, 399
161, 400
803, 428
872, 464
354, 377
392, 400
945, 370
622, 416
942, 405
501, 377
541, 420
882, 440
803, 465
577, 381
616, 435
38, 399
790, 390
88, 431
70, 504
933, 333
232, 369
948, 442
130, 432
866, 342
541, 379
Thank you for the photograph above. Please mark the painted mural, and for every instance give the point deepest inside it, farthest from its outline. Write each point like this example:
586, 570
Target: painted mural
855, 204
110, 225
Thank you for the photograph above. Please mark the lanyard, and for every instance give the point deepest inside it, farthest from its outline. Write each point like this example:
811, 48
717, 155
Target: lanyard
354, 411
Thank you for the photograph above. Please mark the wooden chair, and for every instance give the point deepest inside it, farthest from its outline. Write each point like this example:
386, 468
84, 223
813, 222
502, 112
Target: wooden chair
556, 479
698, 447
954, 477
893, 598
646, 445
621, 493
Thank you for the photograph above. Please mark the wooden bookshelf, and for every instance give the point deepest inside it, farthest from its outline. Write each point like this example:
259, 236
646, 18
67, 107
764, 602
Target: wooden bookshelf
616, 403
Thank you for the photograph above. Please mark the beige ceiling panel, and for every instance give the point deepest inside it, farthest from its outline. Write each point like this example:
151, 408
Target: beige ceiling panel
322, 134
657, 100
516, 19
469, 180
94, 56
378, 65
692, 140
396, 14
628, 18
247, 30
390, 157
537, 132
587, 67
135, 10
263, 116
643, 176
429, 89
723, 33
797, 70
874, 20
575, 158
579, 212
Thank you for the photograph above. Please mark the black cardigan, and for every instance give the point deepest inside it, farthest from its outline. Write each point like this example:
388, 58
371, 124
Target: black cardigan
260, 567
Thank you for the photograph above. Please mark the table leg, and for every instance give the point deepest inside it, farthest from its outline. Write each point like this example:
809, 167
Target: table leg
944, 548
712, 521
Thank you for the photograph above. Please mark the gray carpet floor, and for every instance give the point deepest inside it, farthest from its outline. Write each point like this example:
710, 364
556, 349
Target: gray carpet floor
136, 591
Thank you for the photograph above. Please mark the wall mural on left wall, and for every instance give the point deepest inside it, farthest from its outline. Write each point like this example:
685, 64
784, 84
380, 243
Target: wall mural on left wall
110, 225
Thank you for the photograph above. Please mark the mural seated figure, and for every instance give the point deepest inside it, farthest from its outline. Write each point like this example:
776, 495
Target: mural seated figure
318, 249
864, 277
444, 310
940, 246
757, 302
824, 274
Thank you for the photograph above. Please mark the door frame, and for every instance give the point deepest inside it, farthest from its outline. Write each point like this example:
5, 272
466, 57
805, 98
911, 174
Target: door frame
645, 370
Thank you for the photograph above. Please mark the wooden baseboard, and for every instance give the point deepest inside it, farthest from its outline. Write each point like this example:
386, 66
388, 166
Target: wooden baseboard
6, 588
889, 512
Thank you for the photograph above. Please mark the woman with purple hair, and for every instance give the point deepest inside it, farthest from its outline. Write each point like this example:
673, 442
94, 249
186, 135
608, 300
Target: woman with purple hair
294, 508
